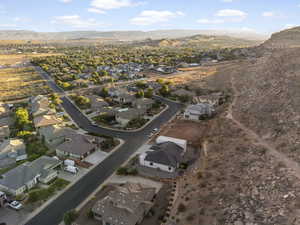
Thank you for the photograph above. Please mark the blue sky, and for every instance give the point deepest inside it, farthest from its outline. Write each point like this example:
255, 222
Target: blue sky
262, 16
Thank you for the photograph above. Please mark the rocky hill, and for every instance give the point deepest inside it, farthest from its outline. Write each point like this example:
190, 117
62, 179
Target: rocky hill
289, 38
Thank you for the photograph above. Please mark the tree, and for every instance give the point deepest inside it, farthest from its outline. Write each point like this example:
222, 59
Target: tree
164, 91
140, 94
70, 217
22, 117
55, 99
149, 93
104, 92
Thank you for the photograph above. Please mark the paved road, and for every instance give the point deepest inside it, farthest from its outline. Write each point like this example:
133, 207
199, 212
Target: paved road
53, 213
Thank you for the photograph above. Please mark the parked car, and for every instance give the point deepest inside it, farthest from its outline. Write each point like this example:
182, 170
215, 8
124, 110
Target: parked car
155, 130
15, 205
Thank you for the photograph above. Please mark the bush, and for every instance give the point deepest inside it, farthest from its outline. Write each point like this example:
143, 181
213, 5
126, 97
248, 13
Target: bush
90, 214
181, 208
70, 217
127, 171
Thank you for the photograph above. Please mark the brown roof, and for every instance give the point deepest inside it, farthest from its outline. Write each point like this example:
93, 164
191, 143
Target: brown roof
46, 120
125, 205
79, 144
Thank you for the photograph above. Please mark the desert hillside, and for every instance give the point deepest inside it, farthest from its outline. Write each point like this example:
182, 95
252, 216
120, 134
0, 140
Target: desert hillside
289, 38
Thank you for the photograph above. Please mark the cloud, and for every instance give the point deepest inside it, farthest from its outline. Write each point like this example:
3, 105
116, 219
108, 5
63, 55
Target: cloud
227, 1
76, 21
231, 13
8, 25
66, 1
268, 14
289, 26
94, 10
210, 21
149, 17
113, 4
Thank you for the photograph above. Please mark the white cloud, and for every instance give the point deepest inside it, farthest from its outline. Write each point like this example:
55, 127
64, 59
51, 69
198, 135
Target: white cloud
210, 21
76, 21
231, 13
66, 1
113, 4
227, 1
8, 25
94, 10
268, 14
149, 17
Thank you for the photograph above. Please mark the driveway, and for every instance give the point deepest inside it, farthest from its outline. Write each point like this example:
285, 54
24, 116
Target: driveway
96, 157
72, 177
10, 216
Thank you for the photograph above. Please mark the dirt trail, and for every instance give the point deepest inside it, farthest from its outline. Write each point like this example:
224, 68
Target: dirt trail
257, 140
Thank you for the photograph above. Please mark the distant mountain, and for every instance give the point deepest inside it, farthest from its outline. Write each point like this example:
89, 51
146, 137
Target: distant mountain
200, 41
121, 35
289, 38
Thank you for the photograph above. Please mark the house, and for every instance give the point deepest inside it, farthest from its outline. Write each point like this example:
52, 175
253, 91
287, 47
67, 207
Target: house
124, 116
125, 205
165, 156
125, 98
26, 176
40, 106
97, 102
4, 110
18, 180
4, 132
78, 145
53, 135
47, 168
143, 103
4, 128
182, 92
46, 120
199, 111
12, 151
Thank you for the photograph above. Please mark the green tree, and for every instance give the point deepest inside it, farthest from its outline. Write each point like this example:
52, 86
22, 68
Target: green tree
140, 94
70, 217
22, 117
164, 91
149, 93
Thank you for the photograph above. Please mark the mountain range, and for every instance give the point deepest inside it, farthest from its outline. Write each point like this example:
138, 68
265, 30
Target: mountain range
123, 35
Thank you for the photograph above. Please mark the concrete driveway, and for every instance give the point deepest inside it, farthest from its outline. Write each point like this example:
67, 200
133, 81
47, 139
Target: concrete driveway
72, 177
96, 157
10, 216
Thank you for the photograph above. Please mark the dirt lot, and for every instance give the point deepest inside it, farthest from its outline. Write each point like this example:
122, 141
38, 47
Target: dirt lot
12, 59
17, 83
193, 132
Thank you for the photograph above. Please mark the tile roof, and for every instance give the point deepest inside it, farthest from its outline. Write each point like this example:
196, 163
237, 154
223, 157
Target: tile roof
125, 205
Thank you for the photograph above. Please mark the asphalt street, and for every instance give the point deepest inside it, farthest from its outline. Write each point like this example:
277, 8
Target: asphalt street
53, 213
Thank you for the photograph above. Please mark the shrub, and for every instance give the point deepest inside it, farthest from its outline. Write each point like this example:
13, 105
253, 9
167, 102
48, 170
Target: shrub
70, 217
181, 208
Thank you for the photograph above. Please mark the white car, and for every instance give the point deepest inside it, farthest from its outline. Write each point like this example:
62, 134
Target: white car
155, 130
15, 205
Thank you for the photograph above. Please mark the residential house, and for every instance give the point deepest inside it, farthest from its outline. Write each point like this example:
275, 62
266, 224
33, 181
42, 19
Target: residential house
125, 98
182, 92
125, 205
40, 106
4, 128
97, 102
46, 120
4, 110
47, 168
143, 103
199, 111
78, 145
53, 135
123, 116
27, 175
12, 151
165, 156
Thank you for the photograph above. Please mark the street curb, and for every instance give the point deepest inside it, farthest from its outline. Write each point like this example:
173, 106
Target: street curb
38, 210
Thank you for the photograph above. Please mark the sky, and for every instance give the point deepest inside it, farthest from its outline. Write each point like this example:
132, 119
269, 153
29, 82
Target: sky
261, 16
